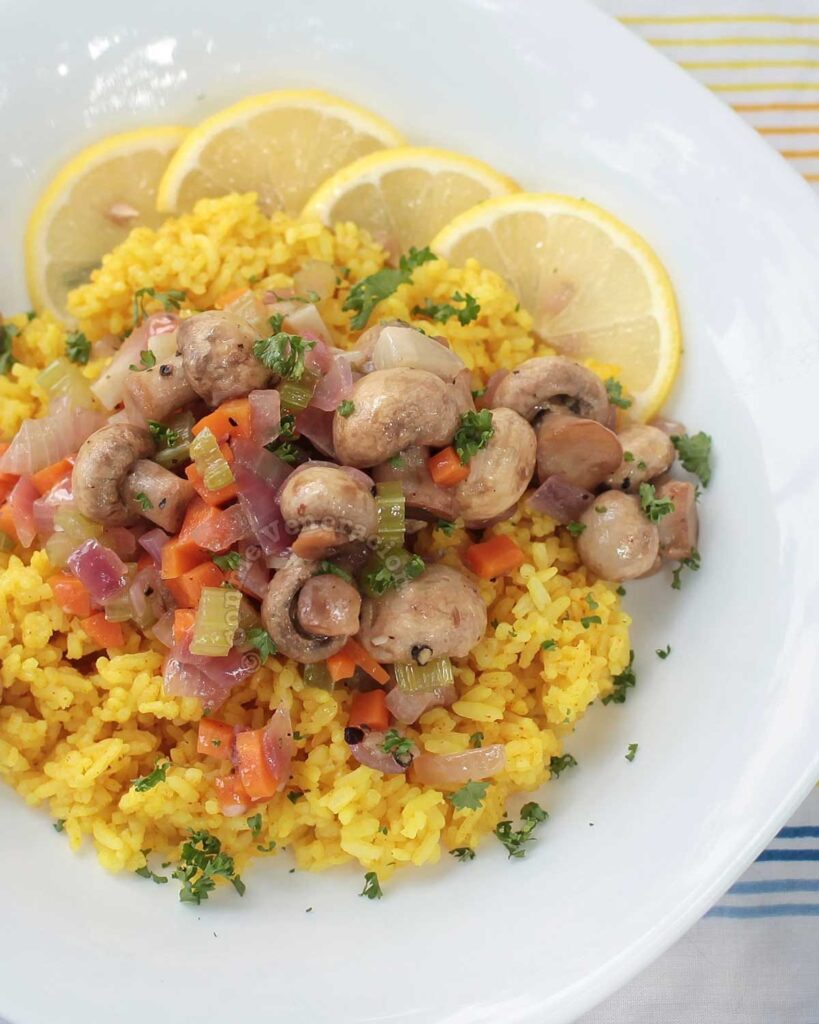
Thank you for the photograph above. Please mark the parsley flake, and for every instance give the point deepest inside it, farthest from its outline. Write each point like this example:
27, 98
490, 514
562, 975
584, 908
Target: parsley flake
628, 457
693, 562
295, 795
515, 840
326, 568
283, 354
346, 408
169, 300
399, 746
372, 889
575, 529
7, 332
228, 562
59, 825
615, 392
445, 311
476, 739
548, 645
695, 454
655, 508
664, 653
254, 823
632, 751
263, 642
147, 361
143, 501
397, 462
560, 764
589, 620
446, 526
474, 434
146, 782
469, 797
622, 683
164, 437
268, 848
145, 871
77, 347
463, 853
201, 862
369, 291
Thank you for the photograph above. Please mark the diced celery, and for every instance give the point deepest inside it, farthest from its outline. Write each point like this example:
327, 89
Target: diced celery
413, 678
296, 394
391, 507
217, 619
387, 569
6, 543
61, 379
71, 529
170, 458
209, 460
119, 608
318, 676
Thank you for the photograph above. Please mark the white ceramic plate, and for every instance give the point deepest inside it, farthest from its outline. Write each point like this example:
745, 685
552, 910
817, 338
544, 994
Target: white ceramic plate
563, 99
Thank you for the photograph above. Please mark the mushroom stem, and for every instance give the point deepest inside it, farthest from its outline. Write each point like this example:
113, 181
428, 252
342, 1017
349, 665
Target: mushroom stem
157, 494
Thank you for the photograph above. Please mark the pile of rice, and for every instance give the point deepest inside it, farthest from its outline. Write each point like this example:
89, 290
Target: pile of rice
76, 728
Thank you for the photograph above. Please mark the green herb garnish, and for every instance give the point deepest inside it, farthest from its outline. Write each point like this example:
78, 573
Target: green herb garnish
469, 797
397, 462
228, 562
268, 848
589, 620
201, 862
615, 392
693, 563
283, 354
254, 823
295, 795
628, 457
7, 332
145, 871
655, 508
695, 454
346, 408
286, 451
263, 642
326, 568
379, 581
143, 501
468, 312
560, 764
146, 782
366, 294
622, 683
515, 840
77, 347
446, 526
664, 653
474, 433
372, 889
632, 751
575, 529
399, 746
476, 739
463, 853
59, 825
164, 437
147, 361
169, 300
548, 645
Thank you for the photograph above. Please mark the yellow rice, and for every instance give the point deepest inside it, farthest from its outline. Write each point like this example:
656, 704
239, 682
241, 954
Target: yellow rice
73, 741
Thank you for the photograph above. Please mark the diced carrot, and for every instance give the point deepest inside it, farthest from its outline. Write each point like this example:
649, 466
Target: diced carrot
46, 478
214, 738
70, 594
187, 589
226, 298
220, 497
494, 557
197, 512
254, 770
340, 666
446, 468
370, 709
103, 633
232, 796
7, 523
183, 622
179, 557
359, 656
231, 419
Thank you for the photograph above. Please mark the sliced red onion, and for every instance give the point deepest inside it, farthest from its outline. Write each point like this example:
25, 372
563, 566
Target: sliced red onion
272, 470
335, 386
101, 571
21, 504
162, 629
209, 679
407, 708
456, 769
153, 542
45, 507
319, 359
317, 426
278, 745
265, 415
369, 750
227, 529
261, 506
122, 541
150, 598
561, 500
41, 443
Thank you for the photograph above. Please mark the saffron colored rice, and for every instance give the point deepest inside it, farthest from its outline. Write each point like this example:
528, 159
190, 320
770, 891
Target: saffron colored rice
77, 726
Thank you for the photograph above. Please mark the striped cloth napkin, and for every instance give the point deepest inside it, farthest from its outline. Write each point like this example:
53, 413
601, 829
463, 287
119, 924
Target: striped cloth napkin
754, 957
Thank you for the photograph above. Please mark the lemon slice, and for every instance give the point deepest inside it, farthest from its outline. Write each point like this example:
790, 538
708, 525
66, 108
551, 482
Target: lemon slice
403, 197
280, 145
595, 288
90, 207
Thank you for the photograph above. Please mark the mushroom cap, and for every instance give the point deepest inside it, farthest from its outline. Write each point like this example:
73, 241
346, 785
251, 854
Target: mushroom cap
651, 451
279, 610
553, 383
499, 473
217, 353
329, 498
618, 542
328, 606
100, 470
581, 451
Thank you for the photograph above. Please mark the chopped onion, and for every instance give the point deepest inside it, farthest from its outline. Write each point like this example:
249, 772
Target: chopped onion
217, 618
101, 571
252, 577
163, 346
45, 507
265, 415
106, 346
561, 500
335, 386
412, 678
153, 542
457, 769
150, 598
370, 751
108, 388
209, 679
319, 358
261, 506
407, 708
120, 540
209, 460
277, 744
404, 346
41, 443
316, 276
264, 464
21, 505
250, 307
162, 629
71, 529
317, 426
306, 321
223, 531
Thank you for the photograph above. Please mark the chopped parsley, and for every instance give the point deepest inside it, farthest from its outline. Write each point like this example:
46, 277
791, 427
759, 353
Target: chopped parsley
201, 862
326, 568
560, 764
397, 462
590, 601
445, 311
463, 853
77, 347
146, 782
295, 795
664, 653
575, 529
622, 683
145, 871
399, 746
263, 642
367, 293
372, 889
655, 508
515, 840
476, 739
379, 581
628, 457
147, 361
478, 392
286, 451
446, 526
589, 620
346, 408
474, 433
469, 797
7, 332
229, 561
268, 848
143, 501
283, 354
615, 392
255, 825
163, 436
695, 454
600, 509
548, 645
693, 563
59, 825
276, 322
621, 590
632, 751
287, 426
169, 300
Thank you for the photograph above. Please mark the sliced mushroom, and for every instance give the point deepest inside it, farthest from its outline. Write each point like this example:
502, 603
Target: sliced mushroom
217, 352
647, 453
159, 391
327, 507
393, 410
499, 473
553, 384
279, 610
679, 529
328, 606
423, 498
441, 610
101, 468
157, 494
618, 542
583, 452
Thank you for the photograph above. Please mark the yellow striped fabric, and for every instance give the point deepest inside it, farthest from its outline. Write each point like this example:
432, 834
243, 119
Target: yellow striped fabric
760, 56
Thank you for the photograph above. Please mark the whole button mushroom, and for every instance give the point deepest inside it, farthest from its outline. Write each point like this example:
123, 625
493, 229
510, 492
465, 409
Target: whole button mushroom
440, 614
328, 606
500, 472
581, 451
618, 542
217, 353
114, 483
394, 409
328, 507
647, 453
553, 384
